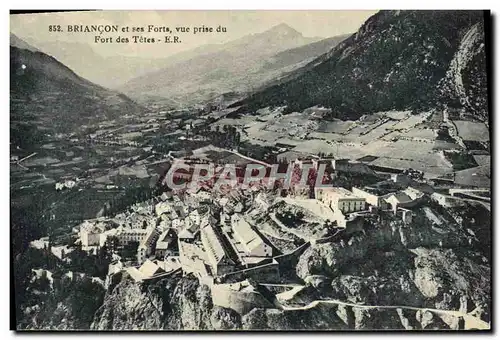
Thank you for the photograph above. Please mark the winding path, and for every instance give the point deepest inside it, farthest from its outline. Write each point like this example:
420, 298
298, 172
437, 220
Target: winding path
471, 322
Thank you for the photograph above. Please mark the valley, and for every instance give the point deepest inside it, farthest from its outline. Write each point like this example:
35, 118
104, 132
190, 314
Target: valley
391, 121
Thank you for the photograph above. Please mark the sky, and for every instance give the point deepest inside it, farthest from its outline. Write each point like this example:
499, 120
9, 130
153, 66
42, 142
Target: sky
35, 27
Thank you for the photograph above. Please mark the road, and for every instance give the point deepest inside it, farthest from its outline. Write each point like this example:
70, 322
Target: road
471, 322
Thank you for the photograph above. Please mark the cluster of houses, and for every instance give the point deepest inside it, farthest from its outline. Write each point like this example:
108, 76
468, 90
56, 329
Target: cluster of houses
180, 231
210, 233
205, 232
234, 247
387, 196
210, 236
225, 248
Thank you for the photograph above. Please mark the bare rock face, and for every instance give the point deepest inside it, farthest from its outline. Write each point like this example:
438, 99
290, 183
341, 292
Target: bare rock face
427, 283
465, 83
430, 321
127, 307
318, 317
61, 303
396, 265
170, 303
452, 281
377, 319
255, 319
225, 319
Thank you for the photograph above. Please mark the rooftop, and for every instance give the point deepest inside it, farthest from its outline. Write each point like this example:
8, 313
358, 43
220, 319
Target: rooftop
165, 239
149, 268
186, 234
249, 238
413, 193
135, 273
132, 231
219, 245
379, 191
401, 197
93, 227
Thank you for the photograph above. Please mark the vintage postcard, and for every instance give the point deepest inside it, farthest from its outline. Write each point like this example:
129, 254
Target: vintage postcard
250, 170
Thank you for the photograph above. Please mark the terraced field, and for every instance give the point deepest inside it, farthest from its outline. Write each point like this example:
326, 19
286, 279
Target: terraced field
398, 139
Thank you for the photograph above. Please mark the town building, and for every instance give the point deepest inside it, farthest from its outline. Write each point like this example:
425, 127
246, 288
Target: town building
327, 161
262, 201
126, 236
207, 219
185, 235
290, 156
147, 270
195, 217
346, 165
219, 252
400, 178
114, 267
203, 195
447, 201
147, 243
399, 200
302, 192
238, 207
405, 214
162, 208
305, 162
173, 214
193, 259
143, 208
350, 222
250, 240
177, 223
413, 193
407, 198
372, 197
91, 234
223, 201
167, 244
164, 223
166, 196
339, 198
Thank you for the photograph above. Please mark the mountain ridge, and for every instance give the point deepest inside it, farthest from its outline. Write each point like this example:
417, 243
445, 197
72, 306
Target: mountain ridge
241, 65
394, 61
19, 43
47, 95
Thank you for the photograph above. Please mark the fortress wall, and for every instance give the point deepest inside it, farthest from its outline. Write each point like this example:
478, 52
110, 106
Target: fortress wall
289, 260
265, 273
241, 302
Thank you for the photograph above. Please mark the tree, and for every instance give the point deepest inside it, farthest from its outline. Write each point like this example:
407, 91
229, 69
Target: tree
237, 140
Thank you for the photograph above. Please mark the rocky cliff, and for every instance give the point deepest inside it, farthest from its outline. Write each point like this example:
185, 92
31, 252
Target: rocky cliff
174, 303
416, 265
391, 276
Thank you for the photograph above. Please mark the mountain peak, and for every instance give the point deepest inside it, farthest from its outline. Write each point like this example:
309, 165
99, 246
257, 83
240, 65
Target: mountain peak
282, 30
